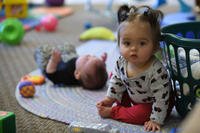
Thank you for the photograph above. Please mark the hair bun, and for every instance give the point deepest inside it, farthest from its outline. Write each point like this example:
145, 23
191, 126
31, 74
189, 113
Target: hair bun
122, 13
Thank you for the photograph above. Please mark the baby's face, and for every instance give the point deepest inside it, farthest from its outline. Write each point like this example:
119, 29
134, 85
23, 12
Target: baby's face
88, 67
87, 63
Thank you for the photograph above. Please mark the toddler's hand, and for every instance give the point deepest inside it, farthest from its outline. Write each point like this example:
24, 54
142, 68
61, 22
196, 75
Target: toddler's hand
151, 126
107, 102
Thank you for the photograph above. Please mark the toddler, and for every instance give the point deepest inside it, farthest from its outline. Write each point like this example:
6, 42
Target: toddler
140, 85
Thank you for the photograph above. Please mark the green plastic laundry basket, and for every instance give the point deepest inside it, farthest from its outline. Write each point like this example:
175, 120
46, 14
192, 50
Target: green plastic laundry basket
181, 48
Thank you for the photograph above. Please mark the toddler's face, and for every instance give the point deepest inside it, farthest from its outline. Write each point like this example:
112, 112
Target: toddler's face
136, 42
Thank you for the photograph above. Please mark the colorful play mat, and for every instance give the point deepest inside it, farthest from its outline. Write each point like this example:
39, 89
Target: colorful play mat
36, 13
69, 104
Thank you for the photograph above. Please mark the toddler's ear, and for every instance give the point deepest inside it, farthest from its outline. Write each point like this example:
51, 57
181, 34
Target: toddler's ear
77, 75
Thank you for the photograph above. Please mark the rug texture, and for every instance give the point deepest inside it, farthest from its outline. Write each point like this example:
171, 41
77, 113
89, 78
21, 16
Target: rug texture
69, 104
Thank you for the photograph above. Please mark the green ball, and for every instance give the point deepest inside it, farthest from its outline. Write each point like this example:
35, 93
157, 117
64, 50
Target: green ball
11, 31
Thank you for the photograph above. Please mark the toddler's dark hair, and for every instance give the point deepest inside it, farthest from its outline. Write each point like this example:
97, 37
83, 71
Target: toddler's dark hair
145, 14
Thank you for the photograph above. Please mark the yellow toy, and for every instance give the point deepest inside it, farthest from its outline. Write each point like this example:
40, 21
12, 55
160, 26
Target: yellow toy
35, 79
1, 3
15, 8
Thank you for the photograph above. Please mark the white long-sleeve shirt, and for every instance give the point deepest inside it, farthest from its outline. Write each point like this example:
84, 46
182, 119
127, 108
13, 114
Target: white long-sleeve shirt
150, 86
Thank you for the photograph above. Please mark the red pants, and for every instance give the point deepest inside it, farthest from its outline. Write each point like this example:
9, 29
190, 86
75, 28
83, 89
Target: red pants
137, 114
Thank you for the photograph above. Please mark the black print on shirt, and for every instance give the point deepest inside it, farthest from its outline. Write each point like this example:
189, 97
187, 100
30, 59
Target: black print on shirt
166, 102
157, 109
154, 91
131, 91
127, 83
138, 84
164, 76
147, 99
113, 90
141, 92
164, 95
143, 78
122, 70
166, 84
117, 65
153, 80
119, 84
159, 70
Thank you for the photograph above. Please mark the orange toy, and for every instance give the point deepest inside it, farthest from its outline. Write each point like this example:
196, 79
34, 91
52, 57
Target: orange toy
35, 79
26, 89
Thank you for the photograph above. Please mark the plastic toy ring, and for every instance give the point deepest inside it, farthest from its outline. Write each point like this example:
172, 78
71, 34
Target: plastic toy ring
11, 31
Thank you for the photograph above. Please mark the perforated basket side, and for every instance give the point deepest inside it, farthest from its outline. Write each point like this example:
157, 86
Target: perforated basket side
182, 37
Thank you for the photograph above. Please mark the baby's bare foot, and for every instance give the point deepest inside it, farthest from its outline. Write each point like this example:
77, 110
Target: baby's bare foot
53, 62
56, 56
105, 112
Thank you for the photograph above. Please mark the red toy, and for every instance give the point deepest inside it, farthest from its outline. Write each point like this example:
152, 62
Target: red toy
49, 23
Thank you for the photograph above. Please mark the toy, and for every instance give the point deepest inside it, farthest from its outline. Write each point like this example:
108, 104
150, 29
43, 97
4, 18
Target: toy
26, 89
7, 122
82, 127
159, 3
89, 6
184, 7
11, 31
55, 2
97, 33
35, 79
49, 23
16, 8
87, 25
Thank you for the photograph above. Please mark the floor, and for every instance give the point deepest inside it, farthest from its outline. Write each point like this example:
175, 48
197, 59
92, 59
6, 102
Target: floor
170, 2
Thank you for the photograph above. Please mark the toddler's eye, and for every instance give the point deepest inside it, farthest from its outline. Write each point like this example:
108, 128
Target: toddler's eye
142, 43
126, 43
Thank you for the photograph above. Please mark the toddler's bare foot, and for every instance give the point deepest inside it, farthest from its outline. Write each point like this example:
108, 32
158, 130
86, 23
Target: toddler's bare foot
104, 112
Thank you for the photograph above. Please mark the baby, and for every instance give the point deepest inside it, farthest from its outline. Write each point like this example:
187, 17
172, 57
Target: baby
63, 66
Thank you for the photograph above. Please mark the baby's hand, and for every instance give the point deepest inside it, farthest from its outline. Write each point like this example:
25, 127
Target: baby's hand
104, 57
151, 126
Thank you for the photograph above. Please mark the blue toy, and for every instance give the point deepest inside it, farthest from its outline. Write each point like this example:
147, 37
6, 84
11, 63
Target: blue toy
159, 3
184, 7
87, 25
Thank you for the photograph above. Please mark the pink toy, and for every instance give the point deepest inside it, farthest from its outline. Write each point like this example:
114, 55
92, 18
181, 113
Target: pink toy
49, 23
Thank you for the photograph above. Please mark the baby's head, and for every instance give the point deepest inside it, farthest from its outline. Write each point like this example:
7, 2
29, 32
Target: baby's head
143, 14
91, 72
